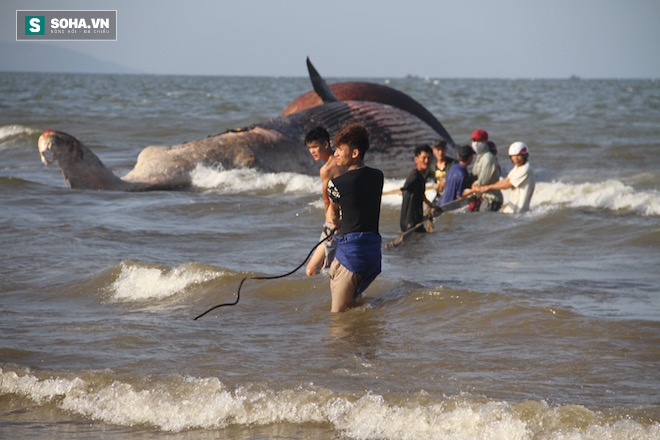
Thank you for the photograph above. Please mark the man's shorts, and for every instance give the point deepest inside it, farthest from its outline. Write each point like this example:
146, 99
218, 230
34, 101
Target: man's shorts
343, 281
330, 246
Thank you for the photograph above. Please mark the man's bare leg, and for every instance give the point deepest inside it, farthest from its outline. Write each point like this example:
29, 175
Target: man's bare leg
316, 262
343, 285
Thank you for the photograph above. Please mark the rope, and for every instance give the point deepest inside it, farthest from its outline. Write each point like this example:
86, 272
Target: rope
238, 292
435, 212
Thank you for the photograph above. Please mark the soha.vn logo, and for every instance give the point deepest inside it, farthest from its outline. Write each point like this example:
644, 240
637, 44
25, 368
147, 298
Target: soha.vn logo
66, 25
36, 24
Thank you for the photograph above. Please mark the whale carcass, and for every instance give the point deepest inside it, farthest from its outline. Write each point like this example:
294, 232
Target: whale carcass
394, 120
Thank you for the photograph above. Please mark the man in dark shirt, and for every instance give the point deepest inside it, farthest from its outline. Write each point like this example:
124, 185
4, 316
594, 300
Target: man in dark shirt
414, 189
354, 212
438, 170
458, 180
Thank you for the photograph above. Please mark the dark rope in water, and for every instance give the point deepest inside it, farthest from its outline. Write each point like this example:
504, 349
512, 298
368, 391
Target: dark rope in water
238, 292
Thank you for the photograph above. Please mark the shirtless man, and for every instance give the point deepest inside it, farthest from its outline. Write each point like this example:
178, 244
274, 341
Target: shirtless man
318, 142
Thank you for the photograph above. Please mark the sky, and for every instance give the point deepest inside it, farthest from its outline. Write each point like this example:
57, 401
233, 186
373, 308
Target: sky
369, 38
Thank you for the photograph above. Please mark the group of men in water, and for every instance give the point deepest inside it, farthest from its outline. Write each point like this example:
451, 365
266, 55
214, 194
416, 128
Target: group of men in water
455, 179
351, 244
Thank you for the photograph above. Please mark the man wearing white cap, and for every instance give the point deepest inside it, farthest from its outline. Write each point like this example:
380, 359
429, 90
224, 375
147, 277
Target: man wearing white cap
486, 170
520, 179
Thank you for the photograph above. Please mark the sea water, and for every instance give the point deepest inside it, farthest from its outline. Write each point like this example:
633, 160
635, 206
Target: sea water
544, 325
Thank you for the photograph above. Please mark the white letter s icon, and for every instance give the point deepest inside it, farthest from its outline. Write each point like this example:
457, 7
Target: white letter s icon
35, 25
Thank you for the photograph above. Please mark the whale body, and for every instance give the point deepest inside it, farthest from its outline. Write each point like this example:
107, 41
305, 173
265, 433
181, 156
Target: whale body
395, 122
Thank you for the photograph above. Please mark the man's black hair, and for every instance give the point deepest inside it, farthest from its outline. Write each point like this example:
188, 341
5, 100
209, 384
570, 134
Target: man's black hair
318, 134
423, 147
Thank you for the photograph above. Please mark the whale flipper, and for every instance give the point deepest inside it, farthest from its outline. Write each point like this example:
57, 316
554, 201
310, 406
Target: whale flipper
320, 87
364, 91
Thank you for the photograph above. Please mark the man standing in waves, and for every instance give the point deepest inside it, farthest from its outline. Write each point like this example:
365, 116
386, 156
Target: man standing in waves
413, 191
520, 179
318, 142
354, 212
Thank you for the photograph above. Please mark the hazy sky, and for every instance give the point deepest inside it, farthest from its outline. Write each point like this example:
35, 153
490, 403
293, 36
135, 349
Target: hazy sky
373, 38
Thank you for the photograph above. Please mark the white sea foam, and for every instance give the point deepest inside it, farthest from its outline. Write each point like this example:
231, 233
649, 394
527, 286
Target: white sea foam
243, 180
183, 402
249, 180
138, 282
611, 195
8, 132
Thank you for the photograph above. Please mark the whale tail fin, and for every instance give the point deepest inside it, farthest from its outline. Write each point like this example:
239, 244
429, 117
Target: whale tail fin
319, 84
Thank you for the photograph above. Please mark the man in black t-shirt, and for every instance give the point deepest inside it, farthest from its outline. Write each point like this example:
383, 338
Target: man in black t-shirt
413, 191
354, 212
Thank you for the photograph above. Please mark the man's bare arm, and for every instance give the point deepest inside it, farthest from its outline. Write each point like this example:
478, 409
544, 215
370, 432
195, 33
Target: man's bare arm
332, 214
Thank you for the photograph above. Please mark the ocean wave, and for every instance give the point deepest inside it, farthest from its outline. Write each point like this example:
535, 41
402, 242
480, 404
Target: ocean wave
611, 195
249, 180
140, 282
179, 403
242, 180
13, 131
8, 182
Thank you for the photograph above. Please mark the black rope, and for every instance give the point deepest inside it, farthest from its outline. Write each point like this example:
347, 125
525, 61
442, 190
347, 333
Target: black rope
436, 211
238, 292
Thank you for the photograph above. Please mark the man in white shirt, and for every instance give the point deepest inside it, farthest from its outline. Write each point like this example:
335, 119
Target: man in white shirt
520, 179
